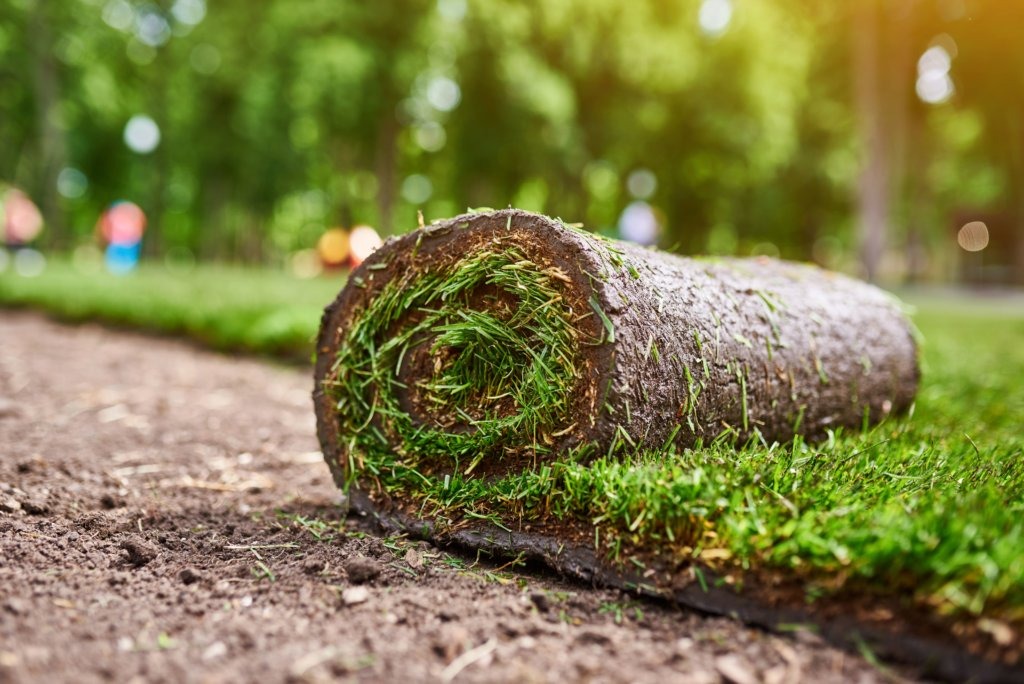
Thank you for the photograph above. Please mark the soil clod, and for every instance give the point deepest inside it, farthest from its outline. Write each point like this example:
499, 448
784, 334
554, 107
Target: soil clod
139, 552
313, 566
362, 569
34, 506
110, 502
189, 576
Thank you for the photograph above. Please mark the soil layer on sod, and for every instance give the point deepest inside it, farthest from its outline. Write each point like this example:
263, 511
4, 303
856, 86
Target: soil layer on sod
510, 383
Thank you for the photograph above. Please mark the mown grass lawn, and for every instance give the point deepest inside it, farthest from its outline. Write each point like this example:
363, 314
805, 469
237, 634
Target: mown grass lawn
225, 307
930, 505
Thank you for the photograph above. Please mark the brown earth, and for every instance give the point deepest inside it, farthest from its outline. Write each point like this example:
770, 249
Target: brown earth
165, 515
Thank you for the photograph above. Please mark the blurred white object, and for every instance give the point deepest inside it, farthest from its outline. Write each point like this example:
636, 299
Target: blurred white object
639, 224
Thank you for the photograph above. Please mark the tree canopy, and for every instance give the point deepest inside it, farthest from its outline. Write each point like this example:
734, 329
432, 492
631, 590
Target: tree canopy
748, 123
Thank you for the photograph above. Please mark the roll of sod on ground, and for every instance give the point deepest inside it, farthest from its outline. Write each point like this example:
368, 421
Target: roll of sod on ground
512, 384
493, 343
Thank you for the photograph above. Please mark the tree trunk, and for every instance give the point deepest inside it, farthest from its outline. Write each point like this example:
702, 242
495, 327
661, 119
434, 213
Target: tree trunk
873, 186
1016, 153
387, 160
52, 146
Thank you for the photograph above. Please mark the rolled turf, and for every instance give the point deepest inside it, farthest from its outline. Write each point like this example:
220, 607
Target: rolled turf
487, 343
511, 383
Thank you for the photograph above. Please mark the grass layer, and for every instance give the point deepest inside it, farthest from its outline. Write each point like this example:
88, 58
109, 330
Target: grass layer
931, 504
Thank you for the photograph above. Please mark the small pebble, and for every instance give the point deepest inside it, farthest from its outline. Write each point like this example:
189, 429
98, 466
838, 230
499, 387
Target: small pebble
355, 595
735, 670
414, 559
215, 650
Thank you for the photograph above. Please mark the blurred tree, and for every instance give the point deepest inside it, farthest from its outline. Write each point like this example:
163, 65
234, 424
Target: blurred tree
51, 151
989, 72
768, 126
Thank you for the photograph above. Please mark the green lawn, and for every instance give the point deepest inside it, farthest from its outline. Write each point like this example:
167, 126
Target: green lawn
929, 506
228, 308
932, 504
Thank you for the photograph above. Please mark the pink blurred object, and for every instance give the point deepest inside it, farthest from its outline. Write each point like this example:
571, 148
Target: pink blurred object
363, 241
122, 223
22, 220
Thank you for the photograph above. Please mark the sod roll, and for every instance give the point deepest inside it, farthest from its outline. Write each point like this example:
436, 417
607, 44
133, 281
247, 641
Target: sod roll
490, 342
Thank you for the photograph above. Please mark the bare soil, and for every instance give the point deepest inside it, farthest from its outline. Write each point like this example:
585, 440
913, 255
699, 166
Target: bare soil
165, 515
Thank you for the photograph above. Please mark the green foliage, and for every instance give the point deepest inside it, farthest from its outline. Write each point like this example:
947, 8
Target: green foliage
278, 122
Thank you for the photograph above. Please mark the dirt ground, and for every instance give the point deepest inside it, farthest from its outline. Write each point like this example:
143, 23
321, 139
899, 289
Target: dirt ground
165, 515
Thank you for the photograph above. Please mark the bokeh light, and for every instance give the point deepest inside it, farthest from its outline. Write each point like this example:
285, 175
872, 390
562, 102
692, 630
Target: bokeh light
204, 58
639, 224
642, 183
935, 59
726, 117
189, 12
973, 236
417, 189
305, 264
151, 27
946, 42
363, 242
934, 84
714, 16
443, 93
452, 10
29, 263
765, 249
600, 178
72, 183
333, 247
141, 134
430, 136
119, 14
